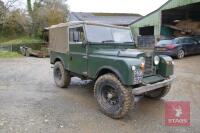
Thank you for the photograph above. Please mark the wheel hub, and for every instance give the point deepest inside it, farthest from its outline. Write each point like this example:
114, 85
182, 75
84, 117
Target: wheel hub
110, 95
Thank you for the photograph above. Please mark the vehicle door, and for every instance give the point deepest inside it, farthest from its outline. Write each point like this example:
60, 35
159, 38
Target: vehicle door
190, 45
78, 53
197, 46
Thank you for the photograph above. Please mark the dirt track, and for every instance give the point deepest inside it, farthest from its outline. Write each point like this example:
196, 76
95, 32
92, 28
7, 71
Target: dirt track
30, 102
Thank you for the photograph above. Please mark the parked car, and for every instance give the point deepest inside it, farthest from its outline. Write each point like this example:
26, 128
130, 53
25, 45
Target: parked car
178, 47
106, 55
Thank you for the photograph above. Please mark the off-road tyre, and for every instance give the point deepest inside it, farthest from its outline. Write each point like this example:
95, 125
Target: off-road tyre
126, 98
180, 54
158, 93
62, 77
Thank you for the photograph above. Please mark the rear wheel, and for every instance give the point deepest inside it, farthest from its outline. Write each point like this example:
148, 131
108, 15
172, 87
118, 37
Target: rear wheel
180, 54
158, 93
114, 99
61, 76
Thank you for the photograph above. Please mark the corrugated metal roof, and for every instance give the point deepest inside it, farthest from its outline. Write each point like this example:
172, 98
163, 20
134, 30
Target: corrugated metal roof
107, 18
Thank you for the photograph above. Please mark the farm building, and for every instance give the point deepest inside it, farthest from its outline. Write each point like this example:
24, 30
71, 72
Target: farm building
174, 19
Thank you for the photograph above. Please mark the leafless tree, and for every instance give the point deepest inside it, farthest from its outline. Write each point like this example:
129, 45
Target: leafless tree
4, 9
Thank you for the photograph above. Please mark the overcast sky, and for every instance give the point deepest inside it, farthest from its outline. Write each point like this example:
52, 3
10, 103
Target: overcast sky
142, 7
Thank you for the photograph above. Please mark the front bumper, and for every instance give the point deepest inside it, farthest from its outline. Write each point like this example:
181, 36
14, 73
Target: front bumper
150, 87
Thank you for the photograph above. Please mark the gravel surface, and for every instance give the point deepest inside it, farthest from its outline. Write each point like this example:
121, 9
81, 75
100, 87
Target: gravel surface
30, 102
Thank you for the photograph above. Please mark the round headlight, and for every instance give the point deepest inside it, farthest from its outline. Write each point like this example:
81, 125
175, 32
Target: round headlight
156, 60
142, 59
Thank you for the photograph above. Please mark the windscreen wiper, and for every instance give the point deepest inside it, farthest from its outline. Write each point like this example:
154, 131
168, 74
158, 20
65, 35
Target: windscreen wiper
128, 42
105, 41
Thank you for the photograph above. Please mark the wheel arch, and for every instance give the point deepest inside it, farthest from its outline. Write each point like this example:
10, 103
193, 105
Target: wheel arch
182, 48
56, 59
106, 70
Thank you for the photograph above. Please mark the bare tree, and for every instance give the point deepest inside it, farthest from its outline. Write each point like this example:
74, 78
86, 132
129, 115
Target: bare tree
4, 6
46, 12
4, 9
10, 3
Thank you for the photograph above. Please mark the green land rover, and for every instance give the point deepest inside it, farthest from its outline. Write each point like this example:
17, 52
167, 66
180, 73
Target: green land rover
106, 54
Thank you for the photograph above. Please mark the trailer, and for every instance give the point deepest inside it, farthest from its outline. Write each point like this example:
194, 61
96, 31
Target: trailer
42, 53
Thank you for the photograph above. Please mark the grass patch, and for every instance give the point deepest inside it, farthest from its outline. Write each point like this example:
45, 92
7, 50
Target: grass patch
15, 43
6, 54
20, 40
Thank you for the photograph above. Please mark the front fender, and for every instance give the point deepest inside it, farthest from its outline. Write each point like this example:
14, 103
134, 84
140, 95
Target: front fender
120, 67
166, 66
106, 69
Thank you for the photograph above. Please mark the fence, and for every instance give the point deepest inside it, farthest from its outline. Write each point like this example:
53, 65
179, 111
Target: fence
16, 47
6, 48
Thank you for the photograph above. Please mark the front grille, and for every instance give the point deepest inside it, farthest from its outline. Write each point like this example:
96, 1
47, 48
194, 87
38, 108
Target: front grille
148, 66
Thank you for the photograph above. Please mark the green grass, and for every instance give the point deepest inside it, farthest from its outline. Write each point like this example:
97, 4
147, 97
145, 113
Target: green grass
19, 40
5, 54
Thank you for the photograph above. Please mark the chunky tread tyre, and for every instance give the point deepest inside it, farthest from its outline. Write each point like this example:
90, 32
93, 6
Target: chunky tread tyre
125, 93
61, 76
159, 93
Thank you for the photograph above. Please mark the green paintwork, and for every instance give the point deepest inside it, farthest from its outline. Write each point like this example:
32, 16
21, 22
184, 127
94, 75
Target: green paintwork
164, 68
78, 58
88, 60
106, 56
97, 59
153, 79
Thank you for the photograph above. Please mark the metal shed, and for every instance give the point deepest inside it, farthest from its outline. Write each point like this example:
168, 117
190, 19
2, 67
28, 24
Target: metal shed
160, 23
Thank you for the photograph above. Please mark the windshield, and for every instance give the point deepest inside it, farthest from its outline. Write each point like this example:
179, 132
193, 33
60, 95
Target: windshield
107, 34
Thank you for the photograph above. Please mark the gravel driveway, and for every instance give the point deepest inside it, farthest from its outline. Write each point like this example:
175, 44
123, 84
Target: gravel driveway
30, 102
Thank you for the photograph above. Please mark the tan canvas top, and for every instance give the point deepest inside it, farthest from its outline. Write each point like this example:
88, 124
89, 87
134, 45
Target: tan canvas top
59, 38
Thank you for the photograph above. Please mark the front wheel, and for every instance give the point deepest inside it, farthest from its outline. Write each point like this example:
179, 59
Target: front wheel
114, 99
158, 93
61, 76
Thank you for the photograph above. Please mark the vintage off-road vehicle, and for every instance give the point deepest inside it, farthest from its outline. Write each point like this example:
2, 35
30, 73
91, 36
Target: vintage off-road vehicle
106, 54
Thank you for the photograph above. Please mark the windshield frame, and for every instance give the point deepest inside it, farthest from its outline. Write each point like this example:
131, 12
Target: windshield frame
111, 28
